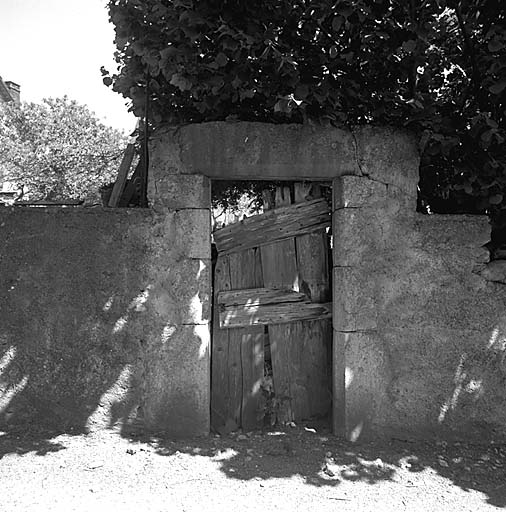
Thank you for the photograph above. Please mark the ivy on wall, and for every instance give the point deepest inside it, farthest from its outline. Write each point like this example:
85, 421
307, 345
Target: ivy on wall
436, 66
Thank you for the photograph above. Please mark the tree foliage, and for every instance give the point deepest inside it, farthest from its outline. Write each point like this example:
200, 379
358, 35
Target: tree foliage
437, 66
57, 149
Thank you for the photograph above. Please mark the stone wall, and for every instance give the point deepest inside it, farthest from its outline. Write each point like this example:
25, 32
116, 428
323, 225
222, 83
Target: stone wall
104, 318
418, 342
104, 313
418, 329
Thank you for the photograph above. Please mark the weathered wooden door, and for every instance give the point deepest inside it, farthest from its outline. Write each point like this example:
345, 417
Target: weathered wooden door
271, 311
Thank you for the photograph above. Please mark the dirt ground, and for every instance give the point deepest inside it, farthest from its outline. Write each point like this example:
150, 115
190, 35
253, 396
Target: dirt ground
296, 469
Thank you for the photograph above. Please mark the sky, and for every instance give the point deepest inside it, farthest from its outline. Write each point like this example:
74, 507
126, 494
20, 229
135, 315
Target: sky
53, 48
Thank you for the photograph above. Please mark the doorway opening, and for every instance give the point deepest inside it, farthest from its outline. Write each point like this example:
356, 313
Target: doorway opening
271, 343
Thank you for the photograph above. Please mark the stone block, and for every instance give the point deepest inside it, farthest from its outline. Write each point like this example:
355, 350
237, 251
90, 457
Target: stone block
354, 301
177, 381
495, 271
181, 191
368, 236
193, 230
360, 191
451, 231
180, 293
164, 156
356, 191
367, 375
389, 155
338, 383
182, 234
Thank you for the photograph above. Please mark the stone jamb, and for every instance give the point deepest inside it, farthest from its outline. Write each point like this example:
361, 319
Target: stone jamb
382, 161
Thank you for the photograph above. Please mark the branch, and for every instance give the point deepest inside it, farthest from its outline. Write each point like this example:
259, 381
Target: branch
412, 78
475, 80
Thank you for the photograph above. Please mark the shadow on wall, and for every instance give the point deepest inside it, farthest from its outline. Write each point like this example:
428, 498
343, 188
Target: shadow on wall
93, 331
478, 388
436, 358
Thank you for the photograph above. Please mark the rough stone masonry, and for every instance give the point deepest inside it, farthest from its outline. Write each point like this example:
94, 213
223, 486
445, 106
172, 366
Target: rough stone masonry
105, 313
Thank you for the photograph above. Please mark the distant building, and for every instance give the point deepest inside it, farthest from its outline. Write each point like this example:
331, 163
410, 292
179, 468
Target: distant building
9, 91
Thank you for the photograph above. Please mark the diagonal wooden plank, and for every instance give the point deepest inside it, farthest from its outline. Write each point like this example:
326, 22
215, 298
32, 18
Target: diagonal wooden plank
119, 184
274, 225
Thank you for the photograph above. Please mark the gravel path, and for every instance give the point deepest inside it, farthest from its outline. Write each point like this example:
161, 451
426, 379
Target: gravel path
293, 469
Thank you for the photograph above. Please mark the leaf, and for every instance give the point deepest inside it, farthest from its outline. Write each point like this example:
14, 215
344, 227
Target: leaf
180, 82
495, 199
498, 87
486, 136
409, 46
221, 59
333, 52
495, 45
248, 93
337, 23
348, 56
301, 92
166, 53
283, 105
107, 81
345, 10
230, 44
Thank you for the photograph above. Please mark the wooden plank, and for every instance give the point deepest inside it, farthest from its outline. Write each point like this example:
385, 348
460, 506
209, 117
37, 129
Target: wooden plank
119, 184
282, 371
279, 266
313, 265
226, 392
311, 358
252, 364
67, 202
316, 357
258, 296
267, 314
132, 190
267, 199
274, 225
246, 272
299, 350
279, 262
304, 385
282, 197
306, 191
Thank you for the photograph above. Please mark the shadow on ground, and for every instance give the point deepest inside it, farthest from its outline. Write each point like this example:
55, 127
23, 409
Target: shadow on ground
322, 459
313, 454
22, 441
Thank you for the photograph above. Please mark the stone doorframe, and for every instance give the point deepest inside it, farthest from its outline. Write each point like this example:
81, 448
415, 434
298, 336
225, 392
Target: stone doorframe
374, 174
